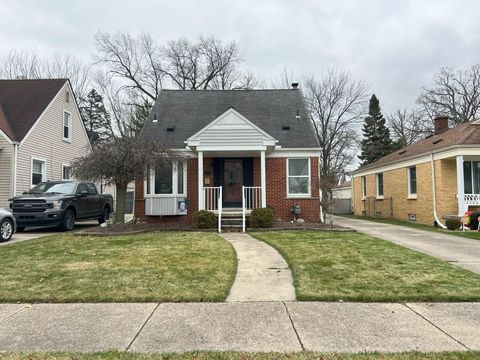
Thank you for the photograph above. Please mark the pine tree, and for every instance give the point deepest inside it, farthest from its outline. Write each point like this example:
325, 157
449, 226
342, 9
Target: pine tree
96, 118
376, 141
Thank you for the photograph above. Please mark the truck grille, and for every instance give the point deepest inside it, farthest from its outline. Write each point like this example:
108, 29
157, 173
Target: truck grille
29, 205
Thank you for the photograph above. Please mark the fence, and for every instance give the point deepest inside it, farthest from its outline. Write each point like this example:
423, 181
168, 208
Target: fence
342, 206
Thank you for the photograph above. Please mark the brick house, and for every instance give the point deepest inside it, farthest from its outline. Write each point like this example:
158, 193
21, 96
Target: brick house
433, 179
243, 149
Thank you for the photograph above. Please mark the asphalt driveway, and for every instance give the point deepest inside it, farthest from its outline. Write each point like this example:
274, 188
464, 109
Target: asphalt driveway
456, 250
38, 232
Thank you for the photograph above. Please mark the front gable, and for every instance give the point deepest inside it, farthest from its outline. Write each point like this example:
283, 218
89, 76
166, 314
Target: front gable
231, 131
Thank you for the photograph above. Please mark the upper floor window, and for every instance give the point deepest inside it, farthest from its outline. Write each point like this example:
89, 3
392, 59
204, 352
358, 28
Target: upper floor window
380, 185
38, 171
412, 181
298, 177
67, 126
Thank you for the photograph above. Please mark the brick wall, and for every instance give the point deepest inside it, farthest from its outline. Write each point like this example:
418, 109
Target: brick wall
395, 184
276, 191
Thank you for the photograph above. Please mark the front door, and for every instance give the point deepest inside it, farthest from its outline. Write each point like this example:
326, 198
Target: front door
233, 176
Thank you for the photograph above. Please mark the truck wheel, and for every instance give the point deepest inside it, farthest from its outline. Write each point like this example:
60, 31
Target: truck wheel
68, 221
6, 229
105, 216
20, 228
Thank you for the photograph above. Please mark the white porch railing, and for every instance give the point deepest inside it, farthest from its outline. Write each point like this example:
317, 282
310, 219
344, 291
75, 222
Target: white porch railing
213, 199
471, 199
251, 199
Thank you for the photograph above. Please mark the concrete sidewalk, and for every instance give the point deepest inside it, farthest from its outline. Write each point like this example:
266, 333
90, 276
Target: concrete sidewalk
241, 326
262, 273
456, 250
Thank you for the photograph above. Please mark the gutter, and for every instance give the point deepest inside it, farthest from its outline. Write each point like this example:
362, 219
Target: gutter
434, 193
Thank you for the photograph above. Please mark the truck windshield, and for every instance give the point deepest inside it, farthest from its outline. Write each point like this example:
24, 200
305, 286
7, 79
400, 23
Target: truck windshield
58, 188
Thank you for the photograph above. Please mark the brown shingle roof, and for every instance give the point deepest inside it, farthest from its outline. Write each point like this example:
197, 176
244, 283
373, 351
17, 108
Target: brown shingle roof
465, 134
23, 101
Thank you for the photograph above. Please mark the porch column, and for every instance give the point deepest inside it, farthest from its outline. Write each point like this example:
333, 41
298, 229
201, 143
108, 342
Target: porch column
460, 186
201, 204
263, 179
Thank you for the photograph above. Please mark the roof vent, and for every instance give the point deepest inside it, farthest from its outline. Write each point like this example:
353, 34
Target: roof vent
171, 128
437, 141
298, 115
294, 86
155, 118
285, 127
428, 136
402, 152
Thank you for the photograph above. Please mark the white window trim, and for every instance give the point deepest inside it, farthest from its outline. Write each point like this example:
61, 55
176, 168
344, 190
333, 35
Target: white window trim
380, 197
174, 183
410, 194
309, 194
363, 181
64, 165
44, 174
472, 177
69, 139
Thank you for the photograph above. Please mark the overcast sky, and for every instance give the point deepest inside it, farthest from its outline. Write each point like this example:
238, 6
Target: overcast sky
395, 46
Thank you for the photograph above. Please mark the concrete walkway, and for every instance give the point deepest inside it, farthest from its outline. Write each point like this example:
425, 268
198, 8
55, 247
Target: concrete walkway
456, 250
240, 326
262, 274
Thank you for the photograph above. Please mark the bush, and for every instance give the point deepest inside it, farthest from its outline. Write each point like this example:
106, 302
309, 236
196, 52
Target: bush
204, 219
261, 218
453, 224
474, 220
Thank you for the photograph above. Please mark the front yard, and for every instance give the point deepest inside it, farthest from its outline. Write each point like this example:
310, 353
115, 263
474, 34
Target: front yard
330, 266
156, 267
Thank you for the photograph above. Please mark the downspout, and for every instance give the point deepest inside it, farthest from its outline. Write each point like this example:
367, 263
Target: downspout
14, 177
320, 190
437, 220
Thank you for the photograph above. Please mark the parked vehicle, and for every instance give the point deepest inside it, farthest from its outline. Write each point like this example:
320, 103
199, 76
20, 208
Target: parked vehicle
7, 225
60, 203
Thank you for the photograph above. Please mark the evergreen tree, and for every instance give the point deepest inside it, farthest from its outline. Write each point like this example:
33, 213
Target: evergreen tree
376, 141
96, 118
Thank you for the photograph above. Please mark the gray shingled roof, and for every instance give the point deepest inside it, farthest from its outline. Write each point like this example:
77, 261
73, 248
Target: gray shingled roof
271, 110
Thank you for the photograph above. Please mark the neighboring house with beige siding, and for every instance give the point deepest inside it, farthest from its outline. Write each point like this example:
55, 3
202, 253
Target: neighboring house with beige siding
41, 132
426, 182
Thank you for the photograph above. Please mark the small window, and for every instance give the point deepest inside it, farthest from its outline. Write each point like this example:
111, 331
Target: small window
364, 186
67, 126
412, 180
38, 171
180, 177
67, 96
66, 172
298, 177
467, 177
380, 185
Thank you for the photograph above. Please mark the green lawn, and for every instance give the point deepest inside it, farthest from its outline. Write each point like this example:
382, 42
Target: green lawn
163, 266
332, 266
467, 234
241, 356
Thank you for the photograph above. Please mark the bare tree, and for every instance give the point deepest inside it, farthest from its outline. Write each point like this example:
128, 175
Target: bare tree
408, 126
336, 103
29, 65
455, 93
118, 161
195, 65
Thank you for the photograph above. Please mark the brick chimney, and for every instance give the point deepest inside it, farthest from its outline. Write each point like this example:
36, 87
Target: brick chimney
441, 124
294, 86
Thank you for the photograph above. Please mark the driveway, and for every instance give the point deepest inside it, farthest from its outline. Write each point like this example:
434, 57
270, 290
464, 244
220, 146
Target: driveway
38, 232
456, 250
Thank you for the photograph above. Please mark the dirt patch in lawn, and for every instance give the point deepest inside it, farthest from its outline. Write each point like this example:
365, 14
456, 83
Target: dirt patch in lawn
138, 228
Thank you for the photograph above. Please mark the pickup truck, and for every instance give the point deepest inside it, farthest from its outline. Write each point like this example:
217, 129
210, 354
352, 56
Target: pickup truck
60, 203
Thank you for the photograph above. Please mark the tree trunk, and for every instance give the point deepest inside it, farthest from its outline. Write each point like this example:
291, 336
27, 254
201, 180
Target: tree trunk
120, 203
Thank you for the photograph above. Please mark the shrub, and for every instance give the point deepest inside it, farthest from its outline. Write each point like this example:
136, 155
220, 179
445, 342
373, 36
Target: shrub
204, 219
474, 220
261, 218
453, 224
